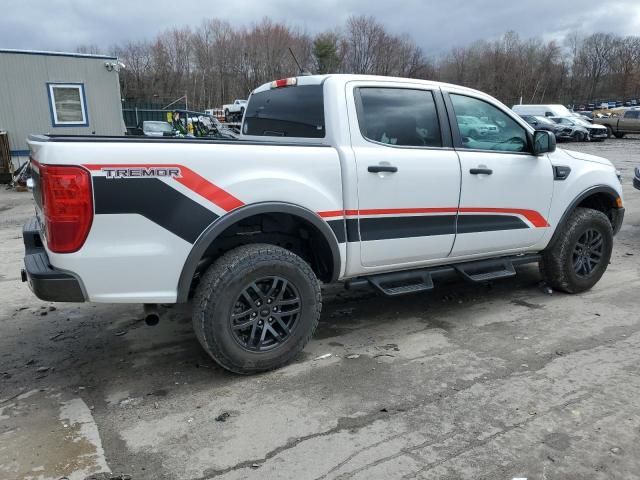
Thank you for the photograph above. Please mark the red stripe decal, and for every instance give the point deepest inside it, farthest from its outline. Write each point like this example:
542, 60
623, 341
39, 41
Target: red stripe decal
189, 179
532, 216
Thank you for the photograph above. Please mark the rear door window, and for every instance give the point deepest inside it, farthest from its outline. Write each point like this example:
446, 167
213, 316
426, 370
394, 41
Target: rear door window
295, 111
399, 116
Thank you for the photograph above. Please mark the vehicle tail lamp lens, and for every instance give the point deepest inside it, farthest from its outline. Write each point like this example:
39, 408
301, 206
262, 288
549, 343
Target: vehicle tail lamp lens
67, 205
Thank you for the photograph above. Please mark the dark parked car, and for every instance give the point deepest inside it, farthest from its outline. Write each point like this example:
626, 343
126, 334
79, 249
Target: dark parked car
636, 179
543, 123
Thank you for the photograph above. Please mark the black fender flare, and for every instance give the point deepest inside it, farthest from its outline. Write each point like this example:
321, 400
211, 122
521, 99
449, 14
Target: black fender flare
216, 228
576, 201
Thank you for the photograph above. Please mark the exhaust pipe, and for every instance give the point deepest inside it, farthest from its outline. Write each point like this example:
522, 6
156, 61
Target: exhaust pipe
151, 314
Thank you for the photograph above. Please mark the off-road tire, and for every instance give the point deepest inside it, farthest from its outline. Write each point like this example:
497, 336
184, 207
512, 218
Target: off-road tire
557, 267
221, 285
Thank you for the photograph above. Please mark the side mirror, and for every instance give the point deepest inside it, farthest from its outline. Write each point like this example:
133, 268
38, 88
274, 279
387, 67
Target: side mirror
543, 142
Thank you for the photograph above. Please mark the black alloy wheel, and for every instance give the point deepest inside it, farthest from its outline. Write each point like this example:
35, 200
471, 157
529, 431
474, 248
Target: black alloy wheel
265, 314
587, 253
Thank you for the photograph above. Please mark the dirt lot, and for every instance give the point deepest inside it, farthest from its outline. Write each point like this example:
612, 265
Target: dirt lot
490, 382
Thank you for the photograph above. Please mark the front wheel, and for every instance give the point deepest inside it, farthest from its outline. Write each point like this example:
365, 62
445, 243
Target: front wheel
256, 308
579, 257
609, 131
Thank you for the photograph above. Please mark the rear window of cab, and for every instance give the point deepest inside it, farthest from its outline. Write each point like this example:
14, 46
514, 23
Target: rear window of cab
293, 111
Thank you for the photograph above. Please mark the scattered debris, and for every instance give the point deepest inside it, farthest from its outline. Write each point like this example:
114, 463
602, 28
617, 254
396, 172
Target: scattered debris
120, 333
255, 465
155, 405
30, 362
353, 356
43, 369
223, 417
384, 410
52, 308
616, 450
533, 413
324, 357
43, 313
546, 288
190, 420
344, 312
57, 335
383, 355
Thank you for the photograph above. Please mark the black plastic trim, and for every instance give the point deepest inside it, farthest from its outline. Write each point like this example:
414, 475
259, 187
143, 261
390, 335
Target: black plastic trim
587, 193
47, 282
561, 172
221, 224
424, 276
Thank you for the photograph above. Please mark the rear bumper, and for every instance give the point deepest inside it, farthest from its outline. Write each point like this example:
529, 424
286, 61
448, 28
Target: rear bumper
636, 182
47, 282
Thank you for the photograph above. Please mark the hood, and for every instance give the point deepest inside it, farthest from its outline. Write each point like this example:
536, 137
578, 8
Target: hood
586, 157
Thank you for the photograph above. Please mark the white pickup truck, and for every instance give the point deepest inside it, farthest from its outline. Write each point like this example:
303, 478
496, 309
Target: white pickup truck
234, 110
356, 179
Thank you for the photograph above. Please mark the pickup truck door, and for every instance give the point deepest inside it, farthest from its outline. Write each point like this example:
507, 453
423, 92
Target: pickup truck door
506, 191
407, 171
630, 122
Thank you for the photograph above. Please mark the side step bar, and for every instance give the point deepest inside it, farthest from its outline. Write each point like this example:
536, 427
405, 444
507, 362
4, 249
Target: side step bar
413, 281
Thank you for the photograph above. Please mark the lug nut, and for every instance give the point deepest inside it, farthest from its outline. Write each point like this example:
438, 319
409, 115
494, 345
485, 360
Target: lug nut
269, 300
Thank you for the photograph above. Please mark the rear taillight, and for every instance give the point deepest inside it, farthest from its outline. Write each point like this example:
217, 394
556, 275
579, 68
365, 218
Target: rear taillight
67, 205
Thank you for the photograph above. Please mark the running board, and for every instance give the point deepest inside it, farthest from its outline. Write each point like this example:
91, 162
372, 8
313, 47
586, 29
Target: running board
413, 281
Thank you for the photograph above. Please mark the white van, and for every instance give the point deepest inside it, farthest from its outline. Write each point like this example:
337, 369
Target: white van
542, 110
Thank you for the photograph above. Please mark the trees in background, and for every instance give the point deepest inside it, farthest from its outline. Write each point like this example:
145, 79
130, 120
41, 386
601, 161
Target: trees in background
215, 62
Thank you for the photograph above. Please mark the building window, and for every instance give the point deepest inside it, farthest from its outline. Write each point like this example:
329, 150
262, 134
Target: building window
68, 105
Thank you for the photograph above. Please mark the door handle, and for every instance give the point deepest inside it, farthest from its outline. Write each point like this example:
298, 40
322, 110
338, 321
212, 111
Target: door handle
382, 168
480, 171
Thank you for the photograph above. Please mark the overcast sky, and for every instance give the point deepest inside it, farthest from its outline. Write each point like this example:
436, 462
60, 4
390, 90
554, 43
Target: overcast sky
436, 25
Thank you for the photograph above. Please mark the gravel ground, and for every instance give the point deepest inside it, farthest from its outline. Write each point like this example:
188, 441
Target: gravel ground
486, 382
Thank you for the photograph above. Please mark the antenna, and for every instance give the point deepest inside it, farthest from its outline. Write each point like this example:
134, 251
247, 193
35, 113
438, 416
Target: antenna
302, 72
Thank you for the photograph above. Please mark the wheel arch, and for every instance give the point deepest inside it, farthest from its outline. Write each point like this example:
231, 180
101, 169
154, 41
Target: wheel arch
215, 230
599, 197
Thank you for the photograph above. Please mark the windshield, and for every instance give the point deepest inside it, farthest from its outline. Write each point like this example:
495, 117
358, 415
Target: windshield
157, 127
582, 122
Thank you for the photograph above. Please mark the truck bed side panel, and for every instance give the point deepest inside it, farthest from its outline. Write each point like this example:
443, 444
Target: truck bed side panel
152, 200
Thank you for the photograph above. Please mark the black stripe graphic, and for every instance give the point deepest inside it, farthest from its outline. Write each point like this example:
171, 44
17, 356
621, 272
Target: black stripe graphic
155, 200
338, 229
385, 228
352, 230
488, 223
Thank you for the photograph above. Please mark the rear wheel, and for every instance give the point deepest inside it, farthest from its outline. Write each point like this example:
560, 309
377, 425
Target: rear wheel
619, 135
256, 308
226, 115
581, 254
